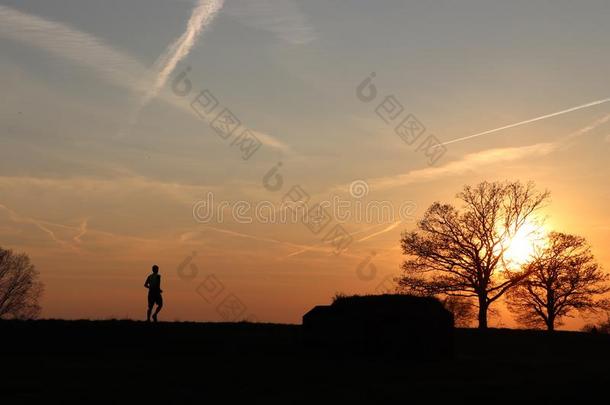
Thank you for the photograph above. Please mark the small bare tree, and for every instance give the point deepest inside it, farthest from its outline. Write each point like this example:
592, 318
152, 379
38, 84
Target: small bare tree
20, 287
461, 252
563, 277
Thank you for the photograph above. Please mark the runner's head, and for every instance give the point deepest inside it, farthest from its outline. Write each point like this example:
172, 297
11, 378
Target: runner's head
155, 269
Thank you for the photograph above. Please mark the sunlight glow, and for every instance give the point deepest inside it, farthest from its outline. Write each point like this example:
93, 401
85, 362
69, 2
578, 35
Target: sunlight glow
523, 245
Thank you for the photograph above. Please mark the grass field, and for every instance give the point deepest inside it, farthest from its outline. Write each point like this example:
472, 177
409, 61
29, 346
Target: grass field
175, 363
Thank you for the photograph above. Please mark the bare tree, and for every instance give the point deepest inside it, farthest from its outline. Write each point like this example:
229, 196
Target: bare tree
20, 287
563, 277
461, 252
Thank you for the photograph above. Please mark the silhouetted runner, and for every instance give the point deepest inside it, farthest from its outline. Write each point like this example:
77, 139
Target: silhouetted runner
153, 283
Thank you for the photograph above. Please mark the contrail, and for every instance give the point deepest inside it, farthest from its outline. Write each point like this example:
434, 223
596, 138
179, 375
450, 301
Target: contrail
491, 131
82, 231
387, 229
39, 224
313, 247
201, 17
302, 248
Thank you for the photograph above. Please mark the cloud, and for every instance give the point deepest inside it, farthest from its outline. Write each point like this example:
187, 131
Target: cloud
594, 125
272, 142
470, 162
282, 18
113, 65
79, 47
117, 187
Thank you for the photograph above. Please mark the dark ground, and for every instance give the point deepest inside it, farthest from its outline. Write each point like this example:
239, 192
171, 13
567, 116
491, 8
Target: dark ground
173, 363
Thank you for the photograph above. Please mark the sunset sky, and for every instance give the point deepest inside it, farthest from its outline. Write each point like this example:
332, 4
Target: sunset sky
101, 162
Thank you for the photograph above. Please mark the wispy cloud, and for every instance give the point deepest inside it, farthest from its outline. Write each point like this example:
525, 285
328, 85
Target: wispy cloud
66, 42
470, 162
113, 187
113, 65
272, 142
584, 130
283, 18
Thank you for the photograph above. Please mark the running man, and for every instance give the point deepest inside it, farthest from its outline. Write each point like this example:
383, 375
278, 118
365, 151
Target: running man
153, 283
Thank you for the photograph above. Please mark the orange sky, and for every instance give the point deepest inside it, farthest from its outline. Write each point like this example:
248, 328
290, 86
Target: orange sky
102, 161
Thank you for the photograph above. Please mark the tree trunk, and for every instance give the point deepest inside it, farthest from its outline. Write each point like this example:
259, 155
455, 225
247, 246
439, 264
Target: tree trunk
483, 312
550, 324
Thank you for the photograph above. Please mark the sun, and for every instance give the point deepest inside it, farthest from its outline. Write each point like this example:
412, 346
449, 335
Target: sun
523, 245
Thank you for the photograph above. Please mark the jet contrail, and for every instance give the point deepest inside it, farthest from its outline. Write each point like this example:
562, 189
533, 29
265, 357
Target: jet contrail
313, 247
580, 107
39, 224
82, 231
263, 239
387, 229
201, 17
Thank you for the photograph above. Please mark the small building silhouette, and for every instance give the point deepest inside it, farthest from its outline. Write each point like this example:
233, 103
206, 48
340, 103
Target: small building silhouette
418, 327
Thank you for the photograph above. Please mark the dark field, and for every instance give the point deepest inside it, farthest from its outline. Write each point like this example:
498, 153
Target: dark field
173, 363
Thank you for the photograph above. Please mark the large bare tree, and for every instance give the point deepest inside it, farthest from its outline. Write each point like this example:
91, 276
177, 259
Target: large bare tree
20, 287
563, 277
460, 252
